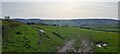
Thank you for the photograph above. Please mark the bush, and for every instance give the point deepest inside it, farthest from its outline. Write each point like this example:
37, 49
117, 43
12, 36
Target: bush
18, 33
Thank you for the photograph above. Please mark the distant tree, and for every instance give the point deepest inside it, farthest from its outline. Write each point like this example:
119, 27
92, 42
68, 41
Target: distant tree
28, 23
54, 25
44, 24
7, 17
66, 25
32, 23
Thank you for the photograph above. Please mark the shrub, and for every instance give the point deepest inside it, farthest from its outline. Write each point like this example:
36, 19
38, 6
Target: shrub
18, 33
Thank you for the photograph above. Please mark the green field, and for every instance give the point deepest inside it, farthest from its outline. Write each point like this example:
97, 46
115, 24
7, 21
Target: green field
77, 33
106, 28
18, 37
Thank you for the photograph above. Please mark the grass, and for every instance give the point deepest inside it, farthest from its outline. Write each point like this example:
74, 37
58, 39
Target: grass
25, 38
20, 42
106, 28
76, 33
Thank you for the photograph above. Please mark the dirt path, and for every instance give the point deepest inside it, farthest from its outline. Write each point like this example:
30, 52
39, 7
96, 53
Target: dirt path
68, 45
86, 46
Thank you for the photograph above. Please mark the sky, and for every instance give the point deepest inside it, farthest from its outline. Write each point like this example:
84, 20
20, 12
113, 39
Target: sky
60, 0
60, 10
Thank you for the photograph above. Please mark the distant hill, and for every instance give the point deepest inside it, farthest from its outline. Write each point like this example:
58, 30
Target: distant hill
96, 22
28, 20
75, 22
61, 22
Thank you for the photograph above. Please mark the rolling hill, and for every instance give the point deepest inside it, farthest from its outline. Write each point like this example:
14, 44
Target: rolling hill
75, 22
20, 37
108, 25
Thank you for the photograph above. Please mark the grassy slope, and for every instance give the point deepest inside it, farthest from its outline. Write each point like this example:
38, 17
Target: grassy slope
77, 33
30, 36
26, 40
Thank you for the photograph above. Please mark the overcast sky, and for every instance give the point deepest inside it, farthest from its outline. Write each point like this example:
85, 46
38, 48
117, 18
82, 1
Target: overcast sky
64, 10
60, 0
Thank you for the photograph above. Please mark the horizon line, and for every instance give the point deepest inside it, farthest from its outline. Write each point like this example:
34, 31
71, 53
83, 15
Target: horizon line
54, 18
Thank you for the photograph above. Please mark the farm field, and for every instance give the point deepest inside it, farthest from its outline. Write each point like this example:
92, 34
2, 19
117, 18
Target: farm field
78, 33
19, 37
106, 28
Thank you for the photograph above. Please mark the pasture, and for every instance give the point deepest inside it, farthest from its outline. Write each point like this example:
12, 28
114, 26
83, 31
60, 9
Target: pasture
25, 38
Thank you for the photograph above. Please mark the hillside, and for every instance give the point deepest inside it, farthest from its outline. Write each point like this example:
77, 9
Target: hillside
79, 33
108, 25
19, 37
28, 20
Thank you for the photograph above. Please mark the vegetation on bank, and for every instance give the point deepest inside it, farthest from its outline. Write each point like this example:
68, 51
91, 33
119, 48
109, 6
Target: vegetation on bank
18, 37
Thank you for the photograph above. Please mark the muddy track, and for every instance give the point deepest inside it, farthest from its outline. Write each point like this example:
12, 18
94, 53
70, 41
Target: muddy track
86, 46
68, 45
